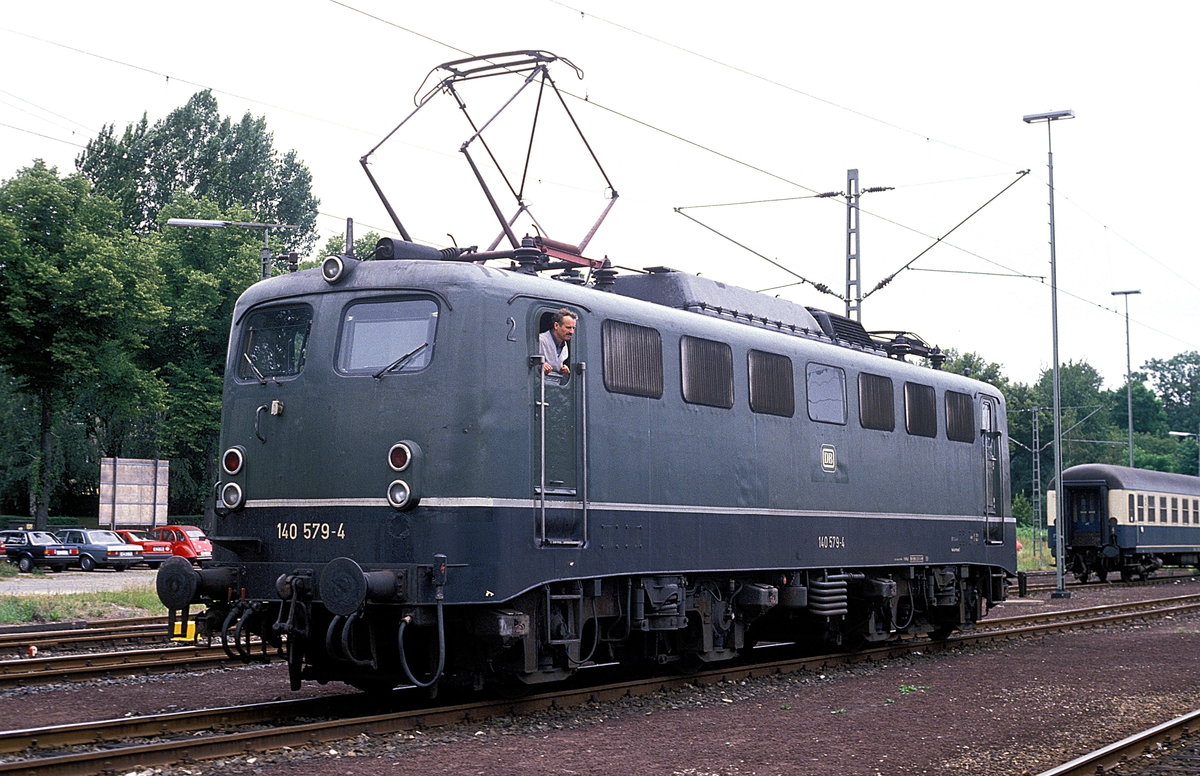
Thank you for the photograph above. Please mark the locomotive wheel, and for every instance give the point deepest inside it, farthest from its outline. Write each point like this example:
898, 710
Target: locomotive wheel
1101, 576
941, 633
509, 687
373, 685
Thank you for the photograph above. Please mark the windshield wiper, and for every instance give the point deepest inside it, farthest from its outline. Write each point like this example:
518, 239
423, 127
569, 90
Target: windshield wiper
400, 361
261, 380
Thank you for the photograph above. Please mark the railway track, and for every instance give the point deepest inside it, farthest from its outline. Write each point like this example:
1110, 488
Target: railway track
111, 745
89, 665
1122, 756
82, 634
1043, 582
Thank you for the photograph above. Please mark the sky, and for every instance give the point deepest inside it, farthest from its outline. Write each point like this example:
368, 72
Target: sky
699, 103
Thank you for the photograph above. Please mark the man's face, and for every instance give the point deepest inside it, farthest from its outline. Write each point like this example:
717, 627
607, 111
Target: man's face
565, 330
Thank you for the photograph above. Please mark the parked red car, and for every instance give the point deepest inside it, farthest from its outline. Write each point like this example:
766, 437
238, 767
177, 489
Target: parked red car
187, 541
154, 551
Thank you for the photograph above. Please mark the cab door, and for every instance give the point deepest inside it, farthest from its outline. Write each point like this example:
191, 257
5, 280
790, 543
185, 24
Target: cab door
558, 435
1084, 518
993, 481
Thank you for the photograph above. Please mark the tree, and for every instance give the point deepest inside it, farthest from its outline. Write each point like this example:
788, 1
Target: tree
364, 245
975, 366
77, 299
1177, 381
195, 151
1149, 415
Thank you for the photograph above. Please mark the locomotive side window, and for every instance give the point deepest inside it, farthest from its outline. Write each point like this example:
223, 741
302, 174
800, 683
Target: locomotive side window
826, 387
633, 361
875, 403
960, 417
274, 342
706, 369
920, 410
394, 335
772, 388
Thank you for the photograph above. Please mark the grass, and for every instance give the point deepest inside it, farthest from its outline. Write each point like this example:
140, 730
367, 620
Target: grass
16, 609
1027, 559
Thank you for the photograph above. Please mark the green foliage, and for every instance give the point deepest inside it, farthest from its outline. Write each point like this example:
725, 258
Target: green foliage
195, 151
909, 689
364, 245
73, 606
1177, 382
975, 366
1149, 414
1022, 509
77, 300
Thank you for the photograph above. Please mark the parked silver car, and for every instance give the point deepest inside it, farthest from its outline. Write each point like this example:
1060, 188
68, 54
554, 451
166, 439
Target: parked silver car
100, 548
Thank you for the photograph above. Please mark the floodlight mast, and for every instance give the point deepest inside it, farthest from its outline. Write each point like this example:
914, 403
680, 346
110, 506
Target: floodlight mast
1054, 115
1060, 590
204, 223
1128, 372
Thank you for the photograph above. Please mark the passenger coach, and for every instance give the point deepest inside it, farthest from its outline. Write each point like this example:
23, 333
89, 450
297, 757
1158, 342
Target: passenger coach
1134, 521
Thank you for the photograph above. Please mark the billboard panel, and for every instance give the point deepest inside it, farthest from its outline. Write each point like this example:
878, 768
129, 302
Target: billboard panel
133, 492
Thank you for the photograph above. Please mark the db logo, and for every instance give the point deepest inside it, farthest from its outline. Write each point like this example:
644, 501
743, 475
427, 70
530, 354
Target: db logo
828, 458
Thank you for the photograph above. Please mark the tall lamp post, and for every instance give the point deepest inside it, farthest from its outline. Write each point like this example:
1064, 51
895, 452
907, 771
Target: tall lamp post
1060, 590
1128, 372
1189, 434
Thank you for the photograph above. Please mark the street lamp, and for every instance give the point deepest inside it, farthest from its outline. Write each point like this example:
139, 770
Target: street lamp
1128, 372
1189, 434
204, 223
1060, 590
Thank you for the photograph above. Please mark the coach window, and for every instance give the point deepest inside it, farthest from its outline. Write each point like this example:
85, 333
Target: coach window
960, 417
706, 368
1187, 515
387, 337
826, 389
274, 342
920, 410
772, 387
1174, 509
1141, 508
876, 408
633, 362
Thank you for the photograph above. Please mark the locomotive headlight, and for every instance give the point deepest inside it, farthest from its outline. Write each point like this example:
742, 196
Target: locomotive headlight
233, 460
399, 494
400, 456
232, 496
335, 268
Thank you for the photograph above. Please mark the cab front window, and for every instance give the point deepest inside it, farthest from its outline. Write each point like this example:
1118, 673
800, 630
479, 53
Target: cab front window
389, 336
274, 342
